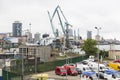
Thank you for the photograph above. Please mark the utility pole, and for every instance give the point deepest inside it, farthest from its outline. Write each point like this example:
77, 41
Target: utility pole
98, 54
66, 64
35, 57
23, 64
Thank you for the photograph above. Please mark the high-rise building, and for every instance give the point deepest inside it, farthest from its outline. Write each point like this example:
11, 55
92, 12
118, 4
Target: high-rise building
74, 34
89, 34
37, 37
17, 29
29, 36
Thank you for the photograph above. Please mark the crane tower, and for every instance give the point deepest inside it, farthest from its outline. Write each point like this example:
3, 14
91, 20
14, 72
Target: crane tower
64, 25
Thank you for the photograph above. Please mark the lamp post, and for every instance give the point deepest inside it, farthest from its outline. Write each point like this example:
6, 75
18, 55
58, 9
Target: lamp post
66, 64
22, 63
98, 53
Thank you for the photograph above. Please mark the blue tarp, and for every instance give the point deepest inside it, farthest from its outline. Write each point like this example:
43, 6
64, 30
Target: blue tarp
88, 73
110, 71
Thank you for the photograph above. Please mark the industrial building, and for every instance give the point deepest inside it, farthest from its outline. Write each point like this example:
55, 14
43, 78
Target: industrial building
35, 51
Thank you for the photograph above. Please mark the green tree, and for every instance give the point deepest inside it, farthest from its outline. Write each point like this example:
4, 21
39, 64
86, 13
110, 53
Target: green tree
89, 47
103, 53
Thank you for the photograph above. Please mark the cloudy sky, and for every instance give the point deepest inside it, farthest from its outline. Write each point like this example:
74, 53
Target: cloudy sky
82, 14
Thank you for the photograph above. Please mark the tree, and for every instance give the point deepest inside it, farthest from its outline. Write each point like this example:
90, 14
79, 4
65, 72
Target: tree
90, 47
103, 53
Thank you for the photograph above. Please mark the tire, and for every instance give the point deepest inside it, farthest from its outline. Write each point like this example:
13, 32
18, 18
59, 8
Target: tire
100, 76
82, 75
105, 79
91, 78
80, 72
97, 74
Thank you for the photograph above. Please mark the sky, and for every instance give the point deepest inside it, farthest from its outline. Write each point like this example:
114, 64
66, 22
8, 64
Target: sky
81, 14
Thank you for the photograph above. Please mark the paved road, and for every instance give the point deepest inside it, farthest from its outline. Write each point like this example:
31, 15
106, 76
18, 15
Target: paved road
68, 77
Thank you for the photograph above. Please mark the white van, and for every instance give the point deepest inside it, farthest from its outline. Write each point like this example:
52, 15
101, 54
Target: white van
81, 68
94, 66
92, 58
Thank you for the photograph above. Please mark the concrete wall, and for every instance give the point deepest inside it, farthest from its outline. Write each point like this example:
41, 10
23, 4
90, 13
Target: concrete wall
43, 52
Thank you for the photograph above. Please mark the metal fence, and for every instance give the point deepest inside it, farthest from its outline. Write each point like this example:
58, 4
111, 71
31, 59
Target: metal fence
16, 71
11, 76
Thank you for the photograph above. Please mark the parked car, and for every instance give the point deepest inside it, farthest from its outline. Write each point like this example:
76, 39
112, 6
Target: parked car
85, 62
117, 60
102, 68
105, 63
112, 75
71, 70
39, 77
92, 58
60, 70
100, 74
114, 65
70, 64
89, 75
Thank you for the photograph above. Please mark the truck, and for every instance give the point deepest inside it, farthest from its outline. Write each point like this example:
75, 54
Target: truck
60, 70
114, 65
71, 70
112, 75
81, 68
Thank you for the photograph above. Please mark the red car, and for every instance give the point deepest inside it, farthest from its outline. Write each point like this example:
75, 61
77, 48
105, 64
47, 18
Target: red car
117, 60
60, 70
71, 70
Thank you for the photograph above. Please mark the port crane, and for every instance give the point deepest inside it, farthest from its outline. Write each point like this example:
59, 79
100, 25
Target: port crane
64, 25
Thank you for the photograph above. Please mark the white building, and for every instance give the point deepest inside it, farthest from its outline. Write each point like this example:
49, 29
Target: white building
29, 36
37, 37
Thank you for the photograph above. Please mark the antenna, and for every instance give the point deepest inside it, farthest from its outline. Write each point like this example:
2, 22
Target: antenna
78, 34
30, 27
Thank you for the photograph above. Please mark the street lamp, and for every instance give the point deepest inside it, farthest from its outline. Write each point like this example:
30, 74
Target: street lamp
98, 54
98, 30
23, 64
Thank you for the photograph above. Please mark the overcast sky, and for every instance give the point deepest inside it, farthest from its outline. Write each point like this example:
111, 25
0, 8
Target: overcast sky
82, 14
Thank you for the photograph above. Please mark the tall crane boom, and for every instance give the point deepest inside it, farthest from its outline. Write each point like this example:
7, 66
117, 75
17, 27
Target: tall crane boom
64, 26
53, 29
